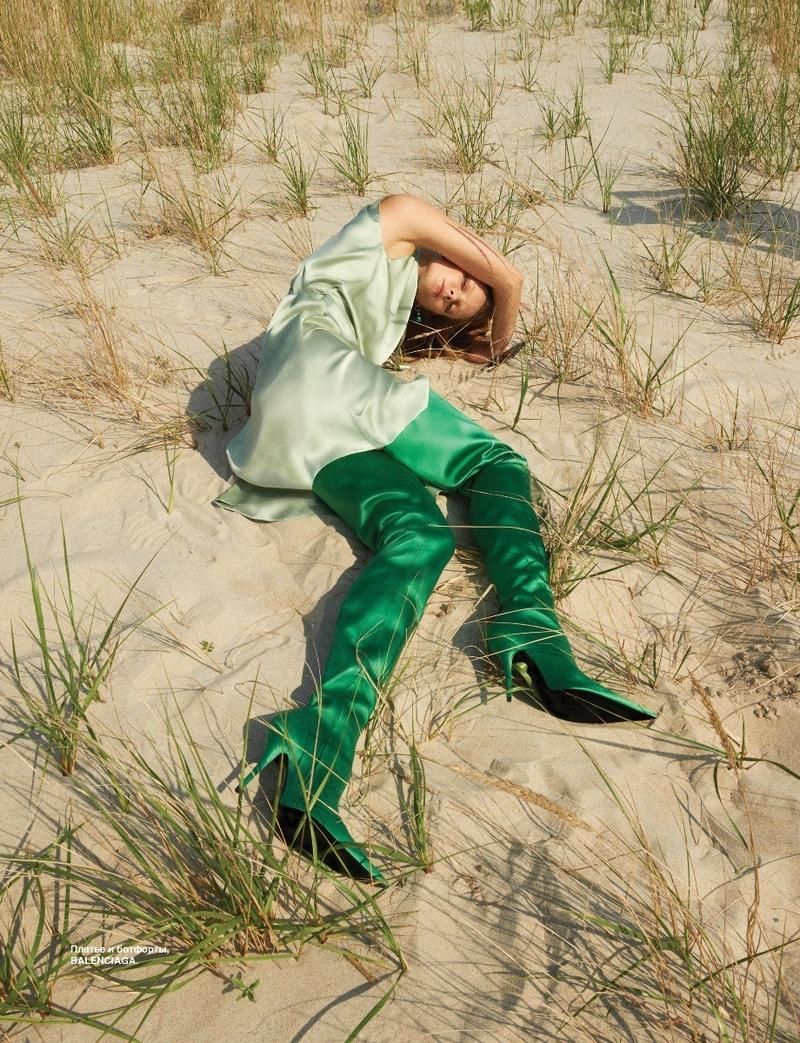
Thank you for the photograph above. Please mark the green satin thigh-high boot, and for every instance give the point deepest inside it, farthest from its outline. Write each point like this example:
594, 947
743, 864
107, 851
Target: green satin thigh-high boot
446, 448
392, 512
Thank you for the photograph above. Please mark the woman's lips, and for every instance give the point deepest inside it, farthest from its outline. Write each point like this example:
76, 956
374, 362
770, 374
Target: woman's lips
440, 290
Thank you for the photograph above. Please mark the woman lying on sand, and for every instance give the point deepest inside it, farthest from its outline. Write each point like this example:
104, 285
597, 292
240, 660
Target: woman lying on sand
328, 421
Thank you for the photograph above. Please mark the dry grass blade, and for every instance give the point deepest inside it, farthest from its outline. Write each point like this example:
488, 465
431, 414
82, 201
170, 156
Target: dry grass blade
8, 377
732, 754
109, 369
524, 793
199, 211
560, 326
667, 957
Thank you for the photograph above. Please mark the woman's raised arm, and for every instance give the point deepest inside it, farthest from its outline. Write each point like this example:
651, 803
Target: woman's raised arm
408, 222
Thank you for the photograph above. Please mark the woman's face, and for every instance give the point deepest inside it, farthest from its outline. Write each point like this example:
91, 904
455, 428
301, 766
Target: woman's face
444, 289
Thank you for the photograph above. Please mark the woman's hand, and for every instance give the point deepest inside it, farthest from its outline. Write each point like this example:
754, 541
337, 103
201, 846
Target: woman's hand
408, 222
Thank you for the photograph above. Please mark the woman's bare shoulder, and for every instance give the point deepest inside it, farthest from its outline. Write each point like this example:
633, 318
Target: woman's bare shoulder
396, 218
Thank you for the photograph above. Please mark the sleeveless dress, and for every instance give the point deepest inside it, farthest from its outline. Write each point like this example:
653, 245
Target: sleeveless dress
321, 392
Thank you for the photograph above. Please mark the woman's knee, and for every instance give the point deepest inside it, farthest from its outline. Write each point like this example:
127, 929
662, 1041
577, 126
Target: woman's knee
505, 456
427, 535
499, 460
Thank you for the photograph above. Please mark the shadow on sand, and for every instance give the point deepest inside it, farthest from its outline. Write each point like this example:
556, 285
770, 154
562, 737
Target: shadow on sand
764, 225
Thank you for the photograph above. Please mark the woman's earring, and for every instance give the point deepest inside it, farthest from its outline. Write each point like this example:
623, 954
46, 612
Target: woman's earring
416, 314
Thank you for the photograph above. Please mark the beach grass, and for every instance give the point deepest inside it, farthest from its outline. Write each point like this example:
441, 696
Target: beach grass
271, 138
351, 158
195, 883
72, 664
35, 950
318, 74
8, 381
26, 156
297, 177
606, 511
668, 256
195, 94
465, 117
199, 211
667, 957
775, 304
415, 811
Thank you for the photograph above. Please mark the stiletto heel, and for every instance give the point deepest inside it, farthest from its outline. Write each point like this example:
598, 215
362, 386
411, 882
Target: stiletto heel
543, 659
506, 659
307, 808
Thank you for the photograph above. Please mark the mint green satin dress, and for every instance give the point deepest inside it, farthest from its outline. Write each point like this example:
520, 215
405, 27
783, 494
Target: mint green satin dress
321, 392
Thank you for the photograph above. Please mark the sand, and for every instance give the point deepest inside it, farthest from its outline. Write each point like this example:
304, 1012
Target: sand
541, 833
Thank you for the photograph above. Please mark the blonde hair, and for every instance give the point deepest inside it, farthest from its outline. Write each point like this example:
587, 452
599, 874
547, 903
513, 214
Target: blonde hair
431, 336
